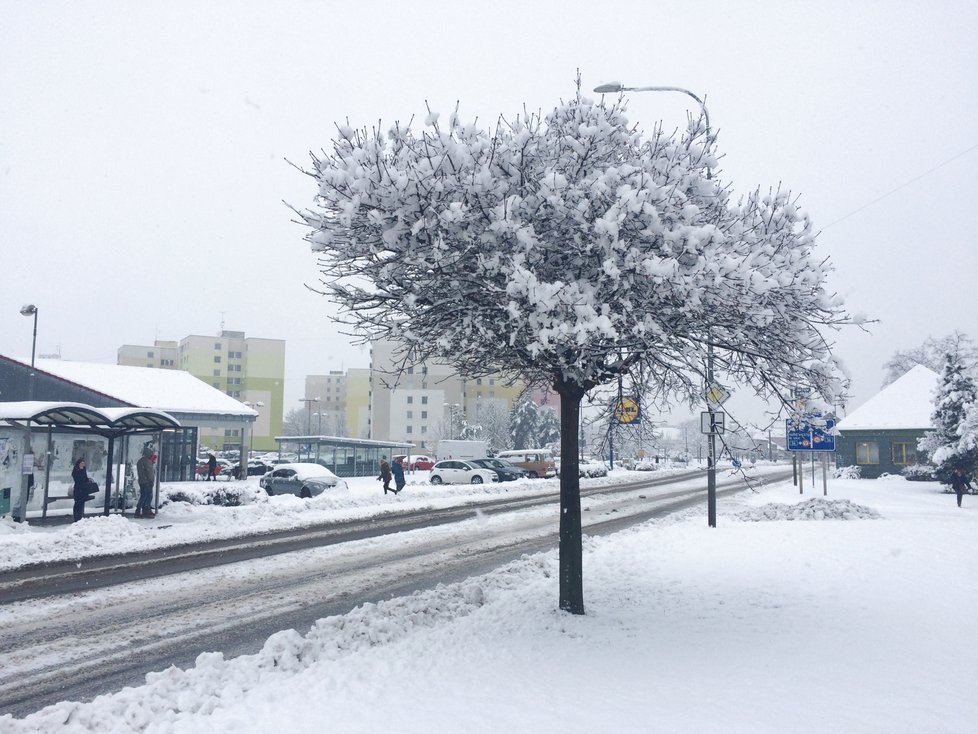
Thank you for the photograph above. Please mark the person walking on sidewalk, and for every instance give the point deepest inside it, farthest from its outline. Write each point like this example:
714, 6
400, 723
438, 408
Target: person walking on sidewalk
397, 469
145, 475
385, 474
959, 483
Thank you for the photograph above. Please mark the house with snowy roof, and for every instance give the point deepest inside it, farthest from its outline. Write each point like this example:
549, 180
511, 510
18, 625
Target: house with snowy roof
880, 436
192, 402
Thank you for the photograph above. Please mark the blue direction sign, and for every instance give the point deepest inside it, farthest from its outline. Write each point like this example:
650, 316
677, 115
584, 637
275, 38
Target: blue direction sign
810, 433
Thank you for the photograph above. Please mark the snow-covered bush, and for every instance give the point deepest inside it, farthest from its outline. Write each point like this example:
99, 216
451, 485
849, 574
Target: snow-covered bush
847, 472
919, 473
222, 496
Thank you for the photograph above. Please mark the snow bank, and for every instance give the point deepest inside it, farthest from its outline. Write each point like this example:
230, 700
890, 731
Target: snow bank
813, 509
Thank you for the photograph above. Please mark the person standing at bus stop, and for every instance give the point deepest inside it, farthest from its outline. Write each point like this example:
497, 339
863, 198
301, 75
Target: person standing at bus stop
145, 474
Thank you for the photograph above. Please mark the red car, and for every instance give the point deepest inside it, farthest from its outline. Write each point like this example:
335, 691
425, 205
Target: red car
418, 462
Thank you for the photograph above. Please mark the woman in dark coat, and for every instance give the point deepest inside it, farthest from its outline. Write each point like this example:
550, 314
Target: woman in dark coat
80, 476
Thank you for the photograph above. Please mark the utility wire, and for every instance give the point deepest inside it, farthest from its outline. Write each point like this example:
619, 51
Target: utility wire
902, 186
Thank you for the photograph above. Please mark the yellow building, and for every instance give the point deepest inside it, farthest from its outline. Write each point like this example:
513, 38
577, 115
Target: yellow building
250, 369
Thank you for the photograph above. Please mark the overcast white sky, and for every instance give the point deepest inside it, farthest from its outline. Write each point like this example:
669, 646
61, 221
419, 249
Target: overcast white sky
143, 146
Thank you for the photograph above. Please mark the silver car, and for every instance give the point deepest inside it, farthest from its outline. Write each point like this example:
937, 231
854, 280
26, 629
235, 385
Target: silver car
461, 472
302, 480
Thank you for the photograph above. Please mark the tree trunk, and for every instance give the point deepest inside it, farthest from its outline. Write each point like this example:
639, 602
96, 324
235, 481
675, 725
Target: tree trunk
571, 566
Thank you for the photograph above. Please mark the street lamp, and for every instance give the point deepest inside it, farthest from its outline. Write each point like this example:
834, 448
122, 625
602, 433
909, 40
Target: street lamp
452, 407
31, 310
27, 476
309, 417
711, 472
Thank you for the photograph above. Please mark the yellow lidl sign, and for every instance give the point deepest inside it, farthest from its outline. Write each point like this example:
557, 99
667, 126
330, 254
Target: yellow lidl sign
628, 411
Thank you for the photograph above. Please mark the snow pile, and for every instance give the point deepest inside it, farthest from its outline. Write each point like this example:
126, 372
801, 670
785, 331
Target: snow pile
173, 699
813, 509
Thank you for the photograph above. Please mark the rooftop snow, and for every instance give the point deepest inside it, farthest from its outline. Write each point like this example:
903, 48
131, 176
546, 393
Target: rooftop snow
173, 391
906, 403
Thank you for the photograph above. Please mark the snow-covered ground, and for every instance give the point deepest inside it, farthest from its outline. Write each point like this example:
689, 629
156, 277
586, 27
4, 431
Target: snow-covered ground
849, 614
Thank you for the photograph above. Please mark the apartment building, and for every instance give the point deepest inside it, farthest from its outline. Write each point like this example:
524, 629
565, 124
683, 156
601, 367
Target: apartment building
250, 369
430, 401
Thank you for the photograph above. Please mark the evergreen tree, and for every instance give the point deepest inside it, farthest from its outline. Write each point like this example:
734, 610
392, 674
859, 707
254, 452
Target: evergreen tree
523, 422
951, 444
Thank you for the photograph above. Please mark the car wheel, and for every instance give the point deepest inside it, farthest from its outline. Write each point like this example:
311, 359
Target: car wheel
533, 475
436, 479
476, 479
305, 493
268, 491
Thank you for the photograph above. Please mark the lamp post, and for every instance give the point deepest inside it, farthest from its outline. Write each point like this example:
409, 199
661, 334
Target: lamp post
711, 472
452, 407
27, 471
309, 416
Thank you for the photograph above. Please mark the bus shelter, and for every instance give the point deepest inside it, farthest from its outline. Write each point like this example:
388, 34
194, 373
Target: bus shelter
40, 441
345, 457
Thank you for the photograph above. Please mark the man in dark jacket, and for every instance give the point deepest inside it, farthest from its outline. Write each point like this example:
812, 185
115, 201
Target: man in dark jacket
211, 467
959, 483
145, 475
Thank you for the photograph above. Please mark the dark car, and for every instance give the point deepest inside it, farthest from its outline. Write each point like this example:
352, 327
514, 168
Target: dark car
507, 472
300, 479
256, 468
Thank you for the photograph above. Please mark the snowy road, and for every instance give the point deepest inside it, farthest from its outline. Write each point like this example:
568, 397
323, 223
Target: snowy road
74, 646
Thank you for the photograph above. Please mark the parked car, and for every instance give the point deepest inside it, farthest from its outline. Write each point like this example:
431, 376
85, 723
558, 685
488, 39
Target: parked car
592, 468
302, 480
506, 471
537, 462
419, 462
455, 471
256, 468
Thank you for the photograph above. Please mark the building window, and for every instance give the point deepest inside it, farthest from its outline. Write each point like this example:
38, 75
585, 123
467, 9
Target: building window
424, 414
424, 429
217, 373
478, 381
149, 355
867, 453
478, 395
410, 429
410, 370
217, 360
216, 384
410, 399
410, 414
217, 345
904, 453
424, 399
492, 380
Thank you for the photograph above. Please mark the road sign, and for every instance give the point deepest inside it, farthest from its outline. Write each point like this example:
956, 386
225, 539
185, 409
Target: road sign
628, 411
712, 421
716, 394
810, 432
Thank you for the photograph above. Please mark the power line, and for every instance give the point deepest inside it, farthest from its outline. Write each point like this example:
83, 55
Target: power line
903, 185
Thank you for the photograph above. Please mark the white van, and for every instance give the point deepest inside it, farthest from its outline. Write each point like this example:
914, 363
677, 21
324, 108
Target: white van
537, 462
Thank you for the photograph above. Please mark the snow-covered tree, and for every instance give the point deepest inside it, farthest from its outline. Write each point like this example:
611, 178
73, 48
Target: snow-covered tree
523, 423
548, 428
294, 423
494, 425
569, 249
932, 354
952, 443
